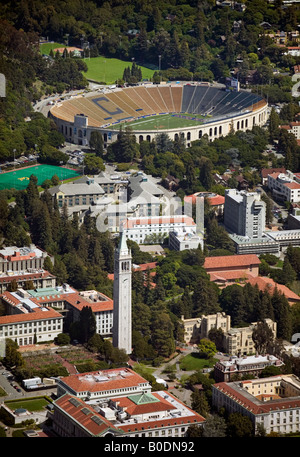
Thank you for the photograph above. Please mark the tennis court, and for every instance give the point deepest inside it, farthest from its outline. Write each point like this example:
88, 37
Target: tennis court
19, 178
162, 122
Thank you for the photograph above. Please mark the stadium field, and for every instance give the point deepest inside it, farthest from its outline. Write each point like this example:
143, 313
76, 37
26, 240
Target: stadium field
162, 122
19, 178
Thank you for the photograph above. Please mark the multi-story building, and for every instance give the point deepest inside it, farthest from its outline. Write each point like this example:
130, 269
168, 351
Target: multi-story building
199, 327
226, 270
292, 127
273, 403
38, 278
180, 242
118, 402
239, 340
61, 300
139, 228
244, 213
285, 186
27, 321
156, 414
227, 370
80, 193
103, 385
22, 259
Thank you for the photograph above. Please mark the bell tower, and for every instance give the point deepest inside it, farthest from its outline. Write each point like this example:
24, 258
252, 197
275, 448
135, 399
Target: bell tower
122, 321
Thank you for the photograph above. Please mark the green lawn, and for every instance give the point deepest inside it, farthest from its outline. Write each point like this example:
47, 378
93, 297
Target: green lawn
194, 362
45, 48
161, 122
35, 404
101, 69
108, 70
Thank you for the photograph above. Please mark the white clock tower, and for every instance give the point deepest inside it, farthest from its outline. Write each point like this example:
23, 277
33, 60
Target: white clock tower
122, 325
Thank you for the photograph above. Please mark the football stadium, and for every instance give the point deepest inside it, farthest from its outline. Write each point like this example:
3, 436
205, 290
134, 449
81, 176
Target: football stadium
189, 110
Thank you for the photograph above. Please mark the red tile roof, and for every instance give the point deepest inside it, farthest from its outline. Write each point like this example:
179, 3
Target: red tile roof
86, 421
256, 408
84, 382
268, 171
267, 284
292, 185
28, 317
79, 302
217, 200
230, 261
136, 221
229, 275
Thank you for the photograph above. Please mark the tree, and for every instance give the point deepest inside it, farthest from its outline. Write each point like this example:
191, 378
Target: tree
214, 427
62, 339
269, 207
93, 164
239, 426
12, 358
205, 298
87, 324
96, 142
207, 348
200, 403
262, 335
162, 334
274, 122
216, 335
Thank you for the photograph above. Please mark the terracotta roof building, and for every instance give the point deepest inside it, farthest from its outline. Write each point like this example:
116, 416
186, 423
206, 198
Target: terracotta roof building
267, 284
28, 321
103, 384
227, 269
156, 414
273, 402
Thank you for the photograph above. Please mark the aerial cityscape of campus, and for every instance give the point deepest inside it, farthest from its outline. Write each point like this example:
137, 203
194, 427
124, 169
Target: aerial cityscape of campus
150, 221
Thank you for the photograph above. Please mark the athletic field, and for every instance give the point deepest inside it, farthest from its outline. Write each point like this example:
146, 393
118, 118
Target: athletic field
107, 70
162, 122
19, 178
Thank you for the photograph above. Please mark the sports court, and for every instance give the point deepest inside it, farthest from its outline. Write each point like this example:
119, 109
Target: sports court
19, 178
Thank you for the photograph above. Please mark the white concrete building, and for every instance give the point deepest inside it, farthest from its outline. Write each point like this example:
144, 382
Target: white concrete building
139, 228
180, 242
285, 186
244, 213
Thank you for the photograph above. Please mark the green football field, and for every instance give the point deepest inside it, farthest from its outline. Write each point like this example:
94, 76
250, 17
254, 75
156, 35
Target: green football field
19, 178
162, 122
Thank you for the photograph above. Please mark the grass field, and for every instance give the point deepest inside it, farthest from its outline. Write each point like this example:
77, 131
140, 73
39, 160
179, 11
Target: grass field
36, 404
19, 178
194, 362
101, 69
161, 122
45, 48
107, 70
